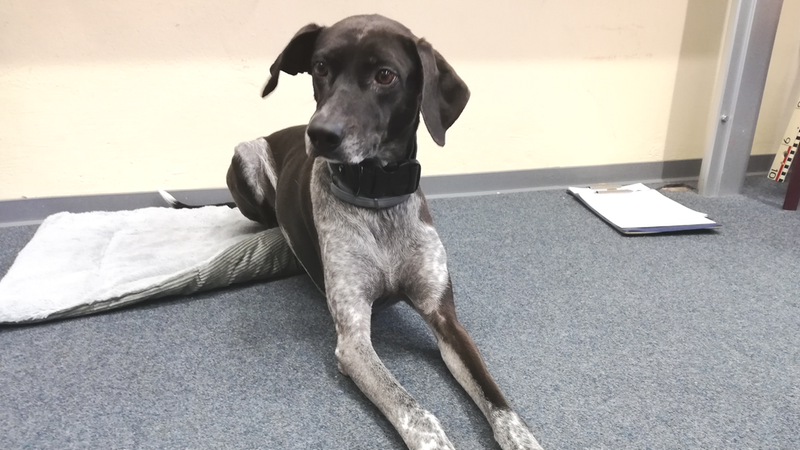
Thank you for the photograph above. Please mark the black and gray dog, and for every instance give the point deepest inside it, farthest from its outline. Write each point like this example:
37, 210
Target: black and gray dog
344, 191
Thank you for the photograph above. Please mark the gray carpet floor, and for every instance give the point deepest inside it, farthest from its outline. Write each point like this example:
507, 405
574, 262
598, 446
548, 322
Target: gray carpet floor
599, 340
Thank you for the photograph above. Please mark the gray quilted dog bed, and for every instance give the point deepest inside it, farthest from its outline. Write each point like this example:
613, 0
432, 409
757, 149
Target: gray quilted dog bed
86, 263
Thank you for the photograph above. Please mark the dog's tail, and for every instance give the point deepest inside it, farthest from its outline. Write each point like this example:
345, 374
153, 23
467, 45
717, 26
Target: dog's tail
176, 204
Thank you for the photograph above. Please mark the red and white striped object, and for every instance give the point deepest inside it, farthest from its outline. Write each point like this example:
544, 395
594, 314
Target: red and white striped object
787, 149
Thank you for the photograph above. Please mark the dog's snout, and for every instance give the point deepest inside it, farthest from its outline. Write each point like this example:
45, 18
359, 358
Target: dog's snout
325, 137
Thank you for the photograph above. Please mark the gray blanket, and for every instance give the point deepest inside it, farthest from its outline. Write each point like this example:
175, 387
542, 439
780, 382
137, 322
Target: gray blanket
85, 263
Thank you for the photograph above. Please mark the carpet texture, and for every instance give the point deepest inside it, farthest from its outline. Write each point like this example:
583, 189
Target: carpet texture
599, 340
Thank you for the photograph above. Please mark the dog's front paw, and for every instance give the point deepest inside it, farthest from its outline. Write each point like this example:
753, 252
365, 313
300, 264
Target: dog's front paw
421, 430
511, 432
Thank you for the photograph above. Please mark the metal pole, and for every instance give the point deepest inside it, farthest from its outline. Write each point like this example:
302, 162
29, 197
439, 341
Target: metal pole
750, 35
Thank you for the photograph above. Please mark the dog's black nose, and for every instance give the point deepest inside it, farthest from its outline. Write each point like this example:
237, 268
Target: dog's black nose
325, 137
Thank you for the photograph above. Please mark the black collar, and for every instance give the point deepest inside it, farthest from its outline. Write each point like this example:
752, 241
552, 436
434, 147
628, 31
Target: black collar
369, 185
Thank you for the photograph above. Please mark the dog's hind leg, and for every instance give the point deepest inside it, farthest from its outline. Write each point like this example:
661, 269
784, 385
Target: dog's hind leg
465, 363
251, 181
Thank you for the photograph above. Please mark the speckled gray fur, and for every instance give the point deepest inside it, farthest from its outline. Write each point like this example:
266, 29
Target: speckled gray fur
372, 254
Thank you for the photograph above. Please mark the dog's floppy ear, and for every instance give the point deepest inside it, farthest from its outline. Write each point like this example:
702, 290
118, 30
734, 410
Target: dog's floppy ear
444, 94
296, 57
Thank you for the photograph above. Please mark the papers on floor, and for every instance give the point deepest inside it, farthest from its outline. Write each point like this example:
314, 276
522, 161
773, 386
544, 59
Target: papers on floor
636, 209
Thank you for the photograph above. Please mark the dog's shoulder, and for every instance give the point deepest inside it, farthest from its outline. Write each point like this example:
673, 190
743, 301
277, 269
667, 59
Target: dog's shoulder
288, 143
292, 167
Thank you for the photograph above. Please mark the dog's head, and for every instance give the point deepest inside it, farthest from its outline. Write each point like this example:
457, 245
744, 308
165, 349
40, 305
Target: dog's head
372, 78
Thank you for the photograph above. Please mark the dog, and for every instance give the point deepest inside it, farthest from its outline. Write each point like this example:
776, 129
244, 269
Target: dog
344, 190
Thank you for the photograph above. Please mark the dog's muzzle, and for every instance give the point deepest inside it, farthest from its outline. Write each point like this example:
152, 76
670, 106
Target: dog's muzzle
325, 138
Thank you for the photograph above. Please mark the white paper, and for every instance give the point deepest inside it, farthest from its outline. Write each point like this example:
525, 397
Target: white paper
642, 207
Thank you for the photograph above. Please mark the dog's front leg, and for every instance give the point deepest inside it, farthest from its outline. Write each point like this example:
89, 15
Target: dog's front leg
357, 359
461, 356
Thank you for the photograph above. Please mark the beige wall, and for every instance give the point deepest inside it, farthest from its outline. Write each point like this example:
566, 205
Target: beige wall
101, 96
783, 82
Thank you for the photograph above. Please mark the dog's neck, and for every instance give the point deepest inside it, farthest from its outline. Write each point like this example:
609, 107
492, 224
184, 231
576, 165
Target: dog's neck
370, 185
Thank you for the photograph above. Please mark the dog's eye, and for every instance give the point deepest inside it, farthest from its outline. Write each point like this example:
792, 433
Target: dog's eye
385, 76
320, 69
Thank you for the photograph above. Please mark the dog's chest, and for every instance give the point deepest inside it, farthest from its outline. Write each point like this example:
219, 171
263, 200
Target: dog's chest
382, 251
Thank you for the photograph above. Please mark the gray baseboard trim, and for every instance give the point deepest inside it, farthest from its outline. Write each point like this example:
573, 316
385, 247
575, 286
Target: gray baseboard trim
438, 186
32, 211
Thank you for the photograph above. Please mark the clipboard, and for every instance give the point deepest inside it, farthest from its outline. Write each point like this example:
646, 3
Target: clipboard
637, 209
